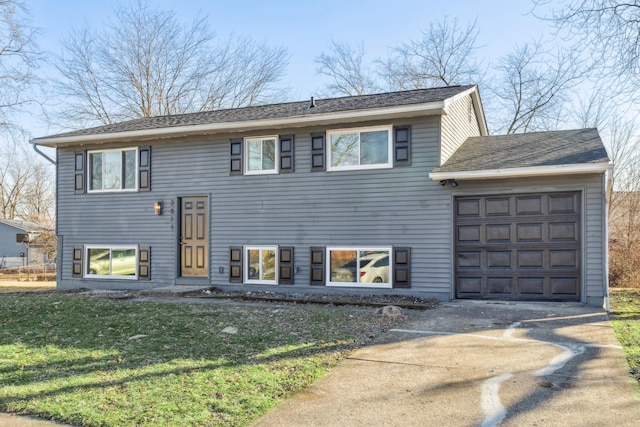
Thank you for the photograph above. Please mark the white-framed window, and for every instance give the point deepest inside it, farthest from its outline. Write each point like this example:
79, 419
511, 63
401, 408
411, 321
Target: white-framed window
359, 267
112, 262
365, 148
113, 170
261, 155
261, 265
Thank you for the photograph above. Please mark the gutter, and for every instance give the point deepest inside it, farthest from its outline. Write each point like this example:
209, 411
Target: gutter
530, 171
37, 150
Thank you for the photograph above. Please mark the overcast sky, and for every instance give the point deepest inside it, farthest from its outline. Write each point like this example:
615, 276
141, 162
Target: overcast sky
306, 28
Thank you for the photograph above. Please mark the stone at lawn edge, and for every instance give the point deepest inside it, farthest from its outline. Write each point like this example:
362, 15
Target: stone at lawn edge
390, 311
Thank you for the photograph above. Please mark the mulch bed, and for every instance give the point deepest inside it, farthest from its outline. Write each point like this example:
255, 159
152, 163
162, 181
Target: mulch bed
402, 301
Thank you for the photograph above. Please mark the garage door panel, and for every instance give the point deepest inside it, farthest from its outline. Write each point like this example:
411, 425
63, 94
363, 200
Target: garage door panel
518, 247
563, 203
529, 232
528, 205
469, 259
498, 232
530, 259
468, 207
564, 285
498, 206
531, 285
498, 259
499, 286
470, 285
563, 258
469, 233
563, 231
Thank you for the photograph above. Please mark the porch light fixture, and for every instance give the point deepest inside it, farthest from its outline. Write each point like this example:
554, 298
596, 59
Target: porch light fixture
157, 208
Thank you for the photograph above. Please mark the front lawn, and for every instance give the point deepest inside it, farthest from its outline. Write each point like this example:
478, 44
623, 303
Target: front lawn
93, 361
625, 318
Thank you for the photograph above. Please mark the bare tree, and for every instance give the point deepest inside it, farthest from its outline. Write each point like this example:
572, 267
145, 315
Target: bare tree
144, 63
37, 201
347, 70
18, 58
608, 29
443, 56
531, 87
27, 186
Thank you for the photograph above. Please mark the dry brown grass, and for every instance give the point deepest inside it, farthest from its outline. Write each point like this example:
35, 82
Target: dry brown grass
624, 265
11, 286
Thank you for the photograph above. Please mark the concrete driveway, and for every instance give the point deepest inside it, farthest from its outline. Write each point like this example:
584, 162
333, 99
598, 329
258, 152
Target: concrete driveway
478, 364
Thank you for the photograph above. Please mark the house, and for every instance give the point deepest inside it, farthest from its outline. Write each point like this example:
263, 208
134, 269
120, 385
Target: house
18, 245
401, 192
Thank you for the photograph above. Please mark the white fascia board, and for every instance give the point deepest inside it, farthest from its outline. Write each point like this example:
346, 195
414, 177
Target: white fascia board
524, 172
413, 110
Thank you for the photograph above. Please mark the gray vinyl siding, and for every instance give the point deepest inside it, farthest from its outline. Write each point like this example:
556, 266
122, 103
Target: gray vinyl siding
398, 206
457, 126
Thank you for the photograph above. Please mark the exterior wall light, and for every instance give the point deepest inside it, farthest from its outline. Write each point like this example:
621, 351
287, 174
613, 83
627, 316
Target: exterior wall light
453, 182
157, 208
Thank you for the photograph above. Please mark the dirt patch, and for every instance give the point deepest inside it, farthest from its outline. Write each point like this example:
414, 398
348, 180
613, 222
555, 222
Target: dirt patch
403, 301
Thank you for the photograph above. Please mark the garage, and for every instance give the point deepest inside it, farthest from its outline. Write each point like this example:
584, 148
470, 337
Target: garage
522, 247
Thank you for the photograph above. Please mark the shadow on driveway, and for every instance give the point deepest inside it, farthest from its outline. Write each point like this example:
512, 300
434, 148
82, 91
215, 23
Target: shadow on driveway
478, 364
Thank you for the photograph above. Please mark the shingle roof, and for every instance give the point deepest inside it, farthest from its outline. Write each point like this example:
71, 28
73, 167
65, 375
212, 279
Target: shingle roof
24, 225
274, 111
527, 150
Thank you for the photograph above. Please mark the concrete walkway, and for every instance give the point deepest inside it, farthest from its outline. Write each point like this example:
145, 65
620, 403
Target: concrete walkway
478, 364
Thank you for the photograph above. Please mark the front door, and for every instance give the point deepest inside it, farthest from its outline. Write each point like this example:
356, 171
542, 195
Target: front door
194, 237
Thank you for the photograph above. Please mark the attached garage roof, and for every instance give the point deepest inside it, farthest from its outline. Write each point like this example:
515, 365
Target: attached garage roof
528, 154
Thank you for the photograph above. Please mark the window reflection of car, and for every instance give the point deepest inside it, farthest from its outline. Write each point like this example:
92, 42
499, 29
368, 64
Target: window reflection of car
374, 268
268, 268
123, 263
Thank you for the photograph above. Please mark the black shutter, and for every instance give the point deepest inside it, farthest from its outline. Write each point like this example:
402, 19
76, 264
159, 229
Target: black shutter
235, 156
401, 267
144, 263
76, 261
285, 269
80, 172
402, 146
287, 153
144, 168
235, 264
318, 152
317, 266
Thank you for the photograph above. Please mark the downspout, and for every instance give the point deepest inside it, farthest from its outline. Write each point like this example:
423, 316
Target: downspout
37, 150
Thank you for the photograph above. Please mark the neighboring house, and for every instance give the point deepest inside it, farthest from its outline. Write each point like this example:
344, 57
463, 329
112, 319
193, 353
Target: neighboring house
13, 250
400, 193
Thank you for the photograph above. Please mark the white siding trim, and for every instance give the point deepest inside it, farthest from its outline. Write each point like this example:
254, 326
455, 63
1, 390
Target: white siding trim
525, 171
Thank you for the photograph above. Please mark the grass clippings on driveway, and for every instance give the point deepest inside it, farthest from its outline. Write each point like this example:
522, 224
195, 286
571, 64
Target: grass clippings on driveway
625, 319
94, 361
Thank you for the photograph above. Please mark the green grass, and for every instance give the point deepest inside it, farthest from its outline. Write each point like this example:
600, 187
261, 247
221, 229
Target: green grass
625, 318
72, 358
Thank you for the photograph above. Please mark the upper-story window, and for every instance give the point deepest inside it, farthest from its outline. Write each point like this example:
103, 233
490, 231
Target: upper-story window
113, 170
365, 148
262, 155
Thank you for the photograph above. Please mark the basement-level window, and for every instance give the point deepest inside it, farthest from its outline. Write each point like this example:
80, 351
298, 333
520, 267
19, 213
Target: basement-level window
365, 267
367, 148
111, 261
113, 170
261, 264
